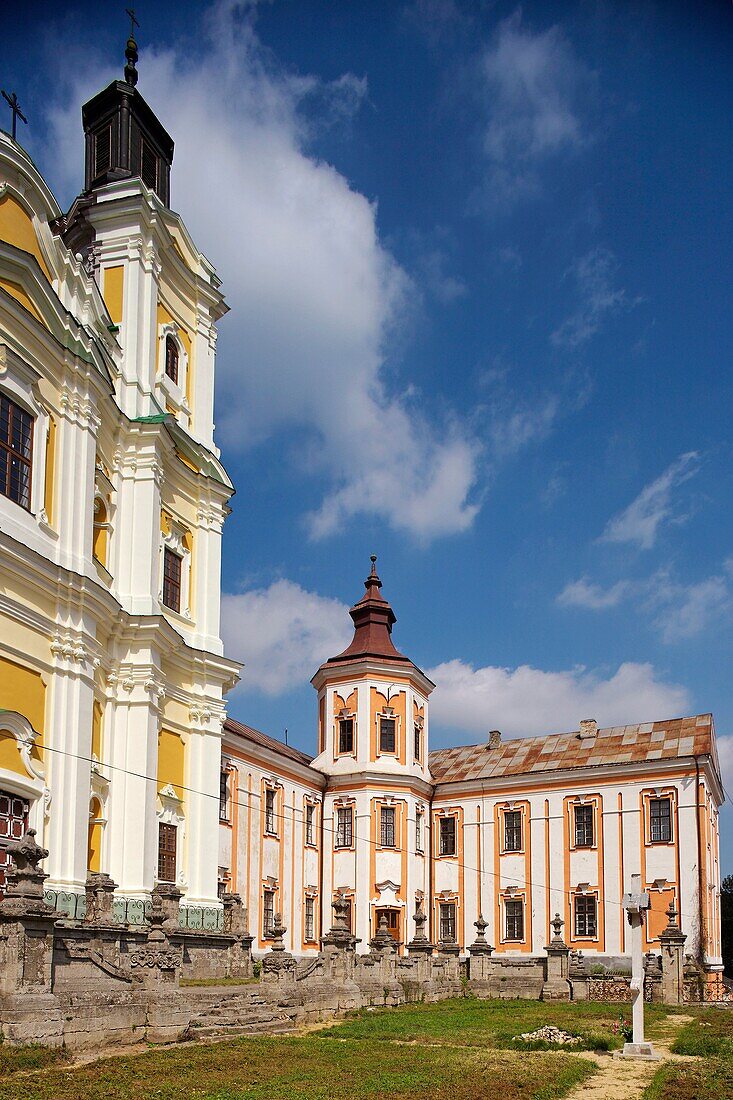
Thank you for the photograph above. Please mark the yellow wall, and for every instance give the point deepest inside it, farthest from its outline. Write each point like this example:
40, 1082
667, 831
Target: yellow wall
16, 227
50, 460
99, 537
10, 758
97, 730
114, 279
171, 761
94, 846
23, 690
17, 292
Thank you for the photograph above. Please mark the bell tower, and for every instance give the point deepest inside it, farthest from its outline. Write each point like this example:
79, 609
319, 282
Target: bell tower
124, 138
373, 746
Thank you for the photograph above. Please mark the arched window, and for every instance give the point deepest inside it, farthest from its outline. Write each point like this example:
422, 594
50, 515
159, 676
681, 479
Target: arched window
101, 531
171, 359
94, 844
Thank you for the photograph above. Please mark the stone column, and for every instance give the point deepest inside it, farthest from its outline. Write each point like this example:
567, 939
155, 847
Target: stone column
278, 963
672, 940
557, 986
170, 902
239, 964
28, 1008
480, 952
100, 892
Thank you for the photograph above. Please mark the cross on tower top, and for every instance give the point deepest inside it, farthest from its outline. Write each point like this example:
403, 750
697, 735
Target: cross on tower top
133, 21
12, 100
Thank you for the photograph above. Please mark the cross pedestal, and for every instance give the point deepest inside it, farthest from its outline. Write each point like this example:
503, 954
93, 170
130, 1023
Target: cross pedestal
636, 903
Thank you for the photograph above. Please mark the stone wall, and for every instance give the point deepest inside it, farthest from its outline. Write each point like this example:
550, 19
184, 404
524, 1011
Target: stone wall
93, 982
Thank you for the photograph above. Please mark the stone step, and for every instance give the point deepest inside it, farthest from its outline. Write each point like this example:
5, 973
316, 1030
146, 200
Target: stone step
230, 1031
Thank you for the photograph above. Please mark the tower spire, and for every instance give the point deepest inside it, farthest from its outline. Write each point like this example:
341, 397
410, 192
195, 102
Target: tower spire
131, 50
373, 620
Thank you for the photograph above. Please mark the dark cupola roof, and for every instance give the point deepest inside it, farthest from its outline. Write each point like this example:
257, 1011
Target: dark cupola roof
124, 138
373, 621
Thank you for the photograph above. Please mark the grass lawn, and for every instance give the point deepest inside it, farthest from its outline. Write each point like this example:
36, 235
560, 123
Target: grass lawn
492, 1024
308, 1069
454, 1050
33, 1056
709, 1037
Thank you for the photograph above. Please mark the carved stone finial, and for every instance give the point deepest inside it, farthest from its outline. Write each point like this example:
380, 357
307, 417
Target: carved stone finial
24, 880
26, 853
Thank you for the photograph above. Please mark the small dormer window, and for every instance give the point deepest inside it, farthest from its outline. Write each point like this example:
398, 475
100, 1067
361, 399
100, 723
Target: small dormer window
171, 358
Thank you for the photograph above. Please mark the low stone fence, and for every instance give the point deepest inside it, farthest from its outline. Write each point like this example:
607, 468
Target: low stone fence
88, 975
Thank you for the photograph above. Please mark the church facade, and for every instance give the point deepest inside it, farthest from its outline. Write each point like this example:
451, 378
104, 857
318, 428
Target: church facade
114, 744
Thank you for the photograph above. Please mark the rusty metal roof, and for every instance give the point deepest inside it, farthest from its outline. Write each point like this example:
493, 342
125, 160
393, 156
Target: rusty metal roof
644, 743
265, 741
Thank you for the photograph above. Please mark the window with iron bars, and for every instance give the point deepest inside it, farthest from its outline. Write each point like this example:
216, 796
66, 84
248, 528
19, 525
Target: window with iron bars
512, 831
224, 795
344, 827
583, 826
310, 921
514, 918
310, 830
447, 836
418, 832
270, 811
268, 913
387, 827
585, 915
660, 820
447, 921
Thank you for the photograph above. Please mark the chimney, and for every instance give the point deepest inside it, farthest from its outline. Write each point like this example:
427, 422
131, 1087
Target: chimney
588, 728
494, 739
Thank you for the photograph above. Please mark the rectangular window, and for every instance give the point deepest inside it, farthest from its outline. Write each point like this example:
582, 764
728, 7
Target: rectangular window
447, 922
447, 836
310, 831
167, 835
172, 580
387, 830
512, 831
387, 735
346, 734
310, 922
224, 795
418, 832
418, 742
270, 814
583, 826
16, 452
660, 820
585, 916
268, 913
344, 827
514, 916
171, 359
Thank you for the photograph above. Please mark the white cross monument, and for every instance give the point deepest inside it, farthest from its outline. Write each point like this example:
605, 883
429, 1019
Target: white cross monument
636, 904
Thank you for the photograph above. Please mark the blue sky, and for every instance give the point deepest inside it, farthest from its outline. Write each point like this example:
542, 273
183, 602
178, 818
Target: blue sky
478, 261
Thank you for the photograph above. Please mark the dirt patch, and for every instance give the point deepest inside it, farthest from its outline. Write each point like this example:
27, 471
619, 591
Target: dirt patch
624, 1079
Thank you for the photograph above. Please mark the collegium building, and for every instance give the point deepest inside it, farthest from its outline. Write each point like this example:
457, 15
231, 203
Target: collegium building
114, 743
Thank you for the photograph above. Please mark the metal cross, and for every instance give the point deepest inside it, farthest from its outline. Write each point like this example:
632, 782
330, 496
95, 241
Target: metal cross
133, 21
12, 99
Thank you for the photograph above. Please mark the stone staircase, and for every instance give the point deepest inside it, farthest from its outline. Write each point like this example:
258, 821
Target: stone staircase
224, 1012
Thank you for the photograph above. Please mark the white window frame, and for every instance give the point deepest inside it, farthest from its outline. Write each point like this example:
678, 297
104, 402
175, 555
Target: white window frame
173, 540
174, 392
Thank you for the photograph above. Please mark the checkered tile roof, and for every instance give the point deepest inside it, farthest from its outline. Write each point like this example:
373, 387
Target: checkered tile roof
651, 741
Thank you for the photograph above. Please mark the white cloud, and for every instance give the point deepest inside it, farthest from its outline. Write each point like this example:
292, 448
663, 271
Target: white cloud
315, 295
282, 633
527, 700
533, 83
640, 522
686, 610
583, 593
599, 298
